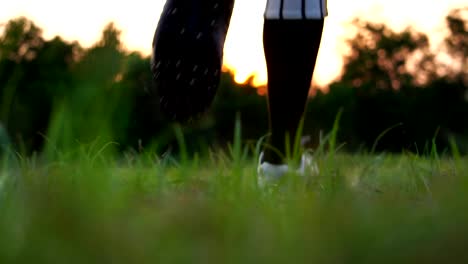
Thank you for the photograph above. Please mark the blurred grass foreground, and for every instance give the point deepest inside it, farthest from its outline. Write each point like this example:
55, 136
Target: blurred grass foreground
91, 172
360, 209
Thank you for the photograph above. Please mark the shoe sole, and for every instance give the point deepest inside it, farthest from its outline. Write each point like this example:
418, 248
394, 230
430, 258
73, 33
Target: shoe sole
188, 55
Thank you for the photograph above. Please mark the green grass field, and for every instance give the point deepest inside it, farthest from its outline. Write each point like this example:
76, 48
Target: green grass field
95, 208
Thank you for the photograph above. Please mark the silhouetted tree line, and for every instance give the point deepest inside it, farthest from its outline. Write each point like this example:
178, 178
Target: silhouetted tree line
393, 84
53, 92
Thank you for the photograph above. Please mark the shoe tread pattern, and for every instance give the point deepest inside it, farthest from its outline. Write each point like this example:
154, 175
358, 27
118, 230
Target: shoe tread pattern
188, 54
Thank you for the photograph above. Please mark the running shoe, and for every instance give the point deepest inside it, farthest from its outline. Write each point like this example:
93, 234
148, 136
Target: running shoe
188, 55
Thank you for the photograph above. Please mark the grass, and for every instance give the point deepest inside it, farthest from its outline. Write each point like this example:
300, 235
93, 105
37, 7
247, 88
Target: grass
92, 206
96, 208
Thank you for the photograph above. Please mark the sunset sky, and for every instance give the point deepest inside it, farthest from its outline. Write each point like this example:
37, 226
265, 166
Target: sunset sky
84, 20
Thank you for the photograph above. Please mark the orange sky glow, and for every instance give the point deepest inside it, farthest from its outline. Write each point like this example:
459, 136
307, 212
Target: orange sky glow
243, 49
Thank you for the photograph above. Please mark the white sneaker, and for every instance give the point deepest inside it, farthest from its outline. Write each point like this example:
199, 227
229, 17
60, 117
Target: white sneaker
269, 173
308, 165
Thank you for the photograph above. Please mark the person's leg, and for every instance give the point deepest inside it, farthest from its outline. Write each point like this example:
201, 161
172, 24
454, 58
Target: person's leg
291, 48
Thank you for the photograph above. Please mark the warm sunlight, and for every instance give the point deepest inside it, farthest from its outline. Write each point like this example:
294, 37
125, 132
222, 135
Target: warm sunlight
243, 51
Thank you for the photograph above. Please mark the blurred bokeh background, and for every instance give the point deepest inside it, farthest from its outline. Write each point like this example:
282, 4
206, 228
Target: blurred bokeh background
74, 73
